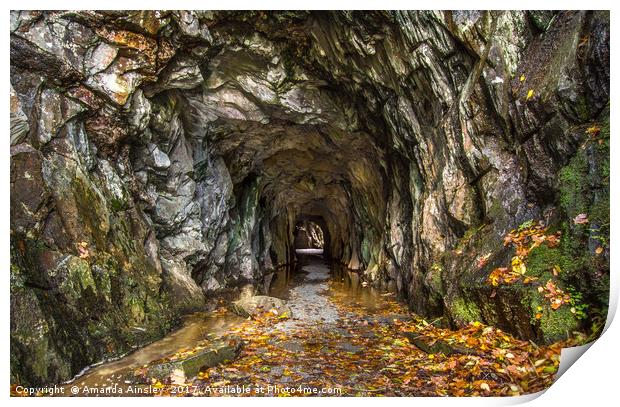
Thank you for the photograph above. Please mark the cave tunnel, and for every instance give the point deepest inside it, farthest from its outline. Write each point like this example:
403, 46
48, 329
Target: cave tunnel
189, 149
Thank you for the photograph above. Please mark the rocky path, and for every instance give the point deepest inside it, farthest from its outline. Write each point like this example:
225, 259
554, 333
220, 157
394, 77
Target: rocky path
307, 300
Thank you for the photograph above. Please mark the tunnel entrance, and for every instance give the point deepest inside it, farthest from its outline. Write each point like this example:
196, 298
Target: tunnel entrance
311, 237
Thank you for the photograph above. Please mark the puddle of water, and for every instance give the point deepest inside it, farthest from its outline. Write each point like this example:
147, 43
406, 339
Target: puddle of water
196, 327
316, 252
348, 286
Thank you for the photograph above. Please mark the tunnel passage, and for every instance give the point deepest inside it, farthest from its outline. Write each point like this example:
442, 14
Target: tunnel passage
184, 147
307, 157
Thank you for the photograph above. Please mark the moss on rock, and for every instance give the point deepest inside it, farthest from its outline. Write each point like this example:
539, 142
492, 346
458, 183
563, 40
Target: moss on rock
434, 279
464, 311
584, 189
554, 325
574, 191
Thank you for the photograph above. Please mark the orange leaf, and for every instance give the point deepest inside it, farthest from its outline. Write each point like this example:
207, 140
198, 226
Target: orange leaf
581, 219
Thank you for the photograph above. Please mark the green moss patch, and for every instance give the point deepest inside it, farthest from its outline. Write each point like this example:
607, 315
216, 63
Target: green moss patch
464, 311
554, 325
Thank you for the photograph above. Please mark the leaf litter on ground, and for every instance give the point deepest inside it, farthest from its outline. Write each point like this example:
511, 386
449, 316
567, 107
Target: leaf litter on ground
367, 353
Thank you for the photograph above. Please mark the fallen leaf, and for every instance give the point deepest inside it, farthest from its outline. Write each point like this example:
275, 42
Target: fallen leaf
581, 219
518, 266
593, 130
530, 94
482, 261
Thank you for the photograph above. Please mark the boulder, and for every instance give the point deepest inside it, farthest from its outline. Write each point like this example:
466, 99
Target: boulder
256, 305
180, 368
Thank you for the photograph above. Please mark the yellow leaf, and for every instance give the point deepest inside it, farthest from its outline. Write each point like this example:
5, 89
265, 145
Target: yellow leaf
518, 266
485, 386
522, 78
593, 130
598, 250
530, 94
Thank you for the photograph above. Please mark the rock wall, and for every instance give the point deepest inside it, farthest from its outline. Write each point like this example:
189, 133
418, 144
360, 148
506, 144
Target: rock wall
159, 157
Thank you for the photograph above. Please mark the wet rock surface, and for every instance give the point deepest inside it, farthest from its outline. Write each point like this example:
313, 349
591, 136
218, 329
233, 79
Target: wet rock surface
307, 301
183, 367
159, 158
259, 304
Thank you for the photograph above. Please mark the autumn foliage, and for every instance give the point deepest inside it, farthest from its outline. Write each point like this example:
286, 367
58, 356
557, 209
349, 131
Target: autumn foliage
379, 359
526, 238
